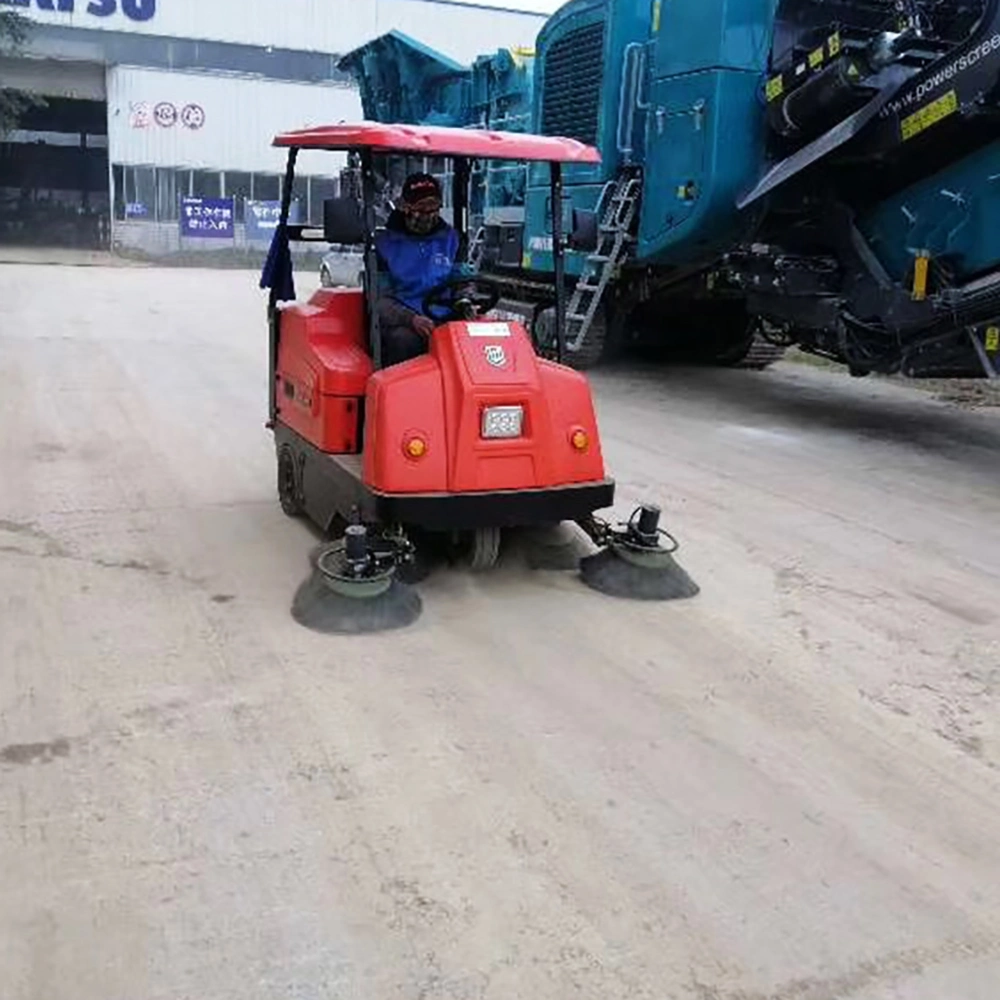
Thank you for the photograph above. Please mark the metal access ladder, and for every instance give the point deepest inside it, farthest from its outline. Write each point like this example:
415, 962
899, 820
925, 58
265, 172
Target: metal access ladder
616, 210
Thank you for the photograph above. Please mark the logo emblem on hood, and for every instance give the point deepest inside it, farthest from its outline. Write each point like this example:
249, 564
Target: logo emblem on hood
495, 355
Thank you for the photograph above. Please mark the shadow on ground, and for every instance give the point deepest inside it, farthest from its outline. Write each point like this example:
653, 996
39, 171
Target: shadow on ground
807, 398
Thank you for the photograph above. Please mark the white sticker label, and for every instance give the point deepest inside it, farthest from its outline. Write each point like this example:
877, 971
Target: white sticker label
488, 329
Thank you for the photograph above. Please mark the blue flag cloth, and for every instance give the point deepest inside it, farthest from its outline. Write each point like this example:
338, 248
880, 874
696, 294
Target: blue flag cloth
278, 272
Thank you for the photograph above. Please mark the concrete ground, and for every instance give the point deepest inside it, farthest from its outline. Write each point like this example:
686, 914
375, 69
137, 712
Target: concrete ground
784, 789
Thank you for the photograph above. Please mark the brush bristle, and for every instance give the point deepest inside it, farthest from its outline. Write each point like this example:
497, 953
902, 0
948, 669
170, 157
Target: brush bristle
612, 575
317, 607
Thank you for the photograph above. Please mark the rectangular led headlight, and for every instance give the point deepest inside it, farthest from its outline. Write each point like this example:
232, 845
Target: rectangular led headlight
502, 421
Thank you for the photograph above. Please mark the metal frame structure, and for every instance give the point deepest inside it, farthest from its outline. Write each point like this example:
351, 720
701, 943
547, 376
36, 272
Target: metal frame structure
461, 146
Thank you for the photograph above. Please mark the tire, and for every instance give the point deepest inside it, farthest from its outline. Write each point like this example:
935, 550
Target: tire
325, 278
289, 487
485, 552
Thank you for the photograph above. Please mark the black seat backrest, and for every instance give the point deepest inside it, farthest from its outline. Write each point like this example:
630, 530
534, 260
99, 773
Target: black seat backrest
343, 222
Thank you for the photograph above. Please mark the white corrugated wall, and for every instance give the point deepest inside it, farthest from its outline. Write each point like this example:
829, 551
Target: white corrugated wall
334, 26
237, 117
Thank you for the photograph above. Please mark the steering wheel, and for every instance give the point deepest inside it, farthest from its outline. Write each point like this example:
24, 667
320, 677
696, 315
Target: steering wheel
478, 296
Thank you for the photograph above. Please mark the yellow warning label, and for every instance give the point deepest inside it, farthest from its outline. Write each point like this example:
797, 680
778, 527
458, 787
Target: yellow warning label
928, 115
775, 88
993, 339
816, 58
656, 16
921, 267
526, 261
852, 70
833, 45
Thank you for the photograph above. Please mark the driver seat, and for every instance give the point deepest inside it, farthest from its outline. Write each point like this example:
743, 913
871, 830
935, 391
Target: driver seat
343, 223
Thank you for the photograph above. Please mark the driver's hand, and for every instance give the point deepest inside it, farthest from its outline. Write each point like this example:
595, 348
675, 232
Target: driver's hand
424, 325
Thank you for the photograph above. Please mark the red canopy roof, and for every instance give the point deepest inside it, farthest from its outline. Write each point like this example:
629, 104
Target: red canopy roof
428, 141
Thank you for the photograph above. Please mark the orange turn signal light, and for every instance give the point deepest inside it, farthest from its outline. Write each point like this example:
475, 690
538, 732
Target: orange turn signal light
415, 447
579, 440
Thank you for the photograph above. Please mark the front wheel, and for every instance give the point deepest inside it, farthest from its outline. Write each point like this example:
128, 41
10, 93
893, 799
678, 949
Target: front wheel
289, 492
485, 549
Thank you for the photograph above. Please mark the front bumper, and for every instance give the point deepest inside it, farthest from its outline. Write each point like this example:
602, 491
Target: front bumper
497, 509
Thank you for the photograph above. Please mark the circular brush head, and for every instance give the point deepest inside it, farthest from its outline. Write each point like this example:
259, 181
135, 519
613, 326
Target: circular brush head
661, 579
322, 609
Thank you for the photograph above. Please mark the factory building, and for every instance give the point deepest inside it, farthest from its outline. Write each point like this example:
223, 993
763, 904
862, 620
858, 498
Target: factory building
154, 126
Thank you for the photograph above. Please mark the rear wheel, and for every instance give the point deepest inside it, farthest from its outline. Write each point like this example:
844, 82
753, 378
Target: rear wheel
289, 491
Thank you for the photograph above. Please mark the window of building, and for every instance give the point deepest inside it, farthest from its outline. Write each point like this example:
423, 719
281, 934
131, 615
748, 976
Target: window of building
206, 184
266, 187
183, 181
300, 193
238, 187
321, 188
167, 197
143, 198
118, 180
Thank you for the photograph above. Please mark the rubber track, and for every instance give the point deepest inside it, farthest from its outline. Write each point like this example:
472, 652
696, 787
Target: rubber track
762, 354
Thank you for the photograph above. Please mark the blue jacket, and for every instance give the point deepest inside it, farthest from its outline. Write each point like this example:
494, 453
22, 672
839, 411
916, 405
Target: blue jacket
415, 264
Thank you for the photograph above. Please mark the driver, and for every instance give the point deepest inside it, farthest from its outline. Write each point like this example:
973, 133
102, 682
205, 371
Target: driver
417, 251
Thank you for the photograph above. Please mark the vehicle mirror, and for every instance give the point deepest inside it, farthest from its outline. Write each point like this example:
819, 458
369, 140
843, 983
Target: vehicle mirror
343, 222
583, 230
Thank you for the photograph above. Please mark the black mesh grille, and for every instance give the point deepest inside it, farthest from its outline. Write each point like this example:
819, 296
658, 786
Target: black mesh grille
574, 71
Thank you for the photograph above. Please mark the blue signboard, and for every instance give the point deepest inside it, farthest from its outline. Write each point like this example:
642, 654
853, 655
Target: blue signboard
208, 218
134, 10
136, 210
262, 219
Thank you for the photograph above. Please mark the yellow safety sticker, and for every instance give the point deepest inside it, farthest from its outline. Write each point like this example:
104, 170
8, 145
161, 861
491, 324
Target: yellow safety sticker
526, 261
852, 70
816, 58
656, 16
928, 115
993, 339
921, 268
775, 88
833, 44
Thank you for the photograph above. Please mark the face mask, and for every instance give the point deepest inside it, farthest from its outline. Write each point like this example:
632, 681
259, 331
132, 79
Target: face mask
421, 224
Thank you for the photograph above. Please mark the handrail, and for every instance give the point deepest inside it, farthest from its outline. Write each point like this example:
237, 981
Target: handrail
629, 98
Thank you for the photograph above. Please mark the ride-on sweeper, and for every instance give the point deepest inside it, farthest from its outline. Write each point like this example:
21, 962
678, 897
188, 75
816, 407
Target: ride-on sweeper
478, 435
